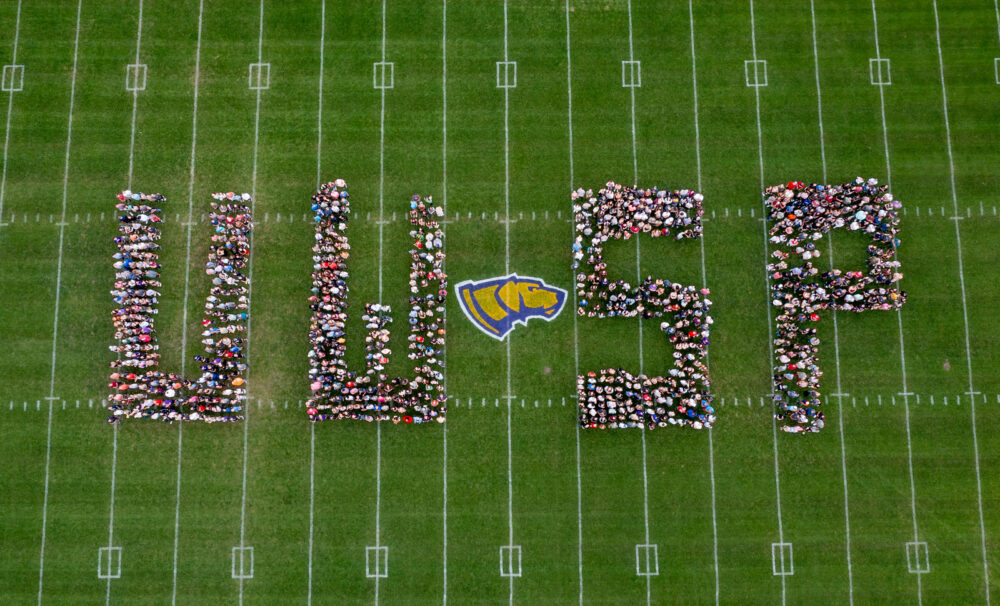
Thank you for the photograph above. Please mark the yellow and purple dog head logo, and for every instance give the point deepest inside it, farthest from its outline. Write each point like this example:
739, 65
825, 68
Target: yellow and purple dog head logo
497, 304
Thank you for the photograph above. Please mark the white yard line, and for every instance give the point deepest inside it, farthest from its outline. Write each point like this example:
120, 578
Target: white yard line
996, 11
965, 308
506, 261
253, 202
10, 109
704, 281
114, 450
836, 328
638, 274
767, 297
444, 231
319, 177
899, 317
55, 320
135, 101
187, 281
576, 333
381, 226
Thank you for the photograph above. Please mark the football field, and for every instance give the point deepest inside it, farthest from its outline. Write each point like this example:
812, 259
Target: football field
499, 109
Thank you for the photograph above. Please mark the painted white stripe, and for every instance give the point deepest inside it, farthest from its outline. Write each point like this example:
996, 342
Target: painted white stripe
767, 292
10, 109
576, 333
444, 353
55, 320
319, 177
638, 273
187, 281
965, 307
506, 224
253, 202
381, 242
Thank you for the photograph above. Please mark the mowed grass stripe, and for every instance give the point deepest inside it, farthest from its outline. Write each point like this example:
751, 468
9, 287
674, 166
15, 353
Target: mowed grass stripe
544, 472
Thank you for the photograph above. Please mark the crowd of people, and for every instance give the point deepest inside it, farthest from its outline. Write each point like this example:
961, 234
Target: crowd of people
615, 398
800, 215
138, 388
338, 393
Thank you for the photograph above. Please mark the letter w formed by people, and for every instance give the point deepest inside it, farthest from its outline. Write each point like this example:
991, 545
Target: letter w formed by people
339, 393
139, 388
616, 398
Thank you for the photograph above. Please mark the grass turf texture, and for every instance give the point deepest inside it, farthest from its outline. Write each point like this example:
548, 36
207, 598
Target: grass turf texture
545, 481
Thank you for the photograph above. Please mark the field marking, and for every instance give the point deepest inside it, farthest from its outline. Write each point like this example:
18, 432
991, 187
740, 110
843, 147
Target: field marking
836, 328
253, 203
112, 552
767, 294
638, 273
576, 333
899, 317
135, 100
381, 242
965, 307
111, 516
55, 320
506, 261
114, 456
444, 349
704, 281
187, 281
319, 176
10, 109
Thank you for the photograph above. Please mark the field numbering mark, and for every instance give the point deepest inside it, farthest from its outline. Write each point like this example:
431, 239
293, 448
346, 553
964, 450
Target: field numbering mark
647, 560
376, 561
259, 76
383, 75
13, 78
879, 71
782, 563
244, 555
506, 74
759, 70
109, 562
631, 74
917, 558
135, 77
510, 561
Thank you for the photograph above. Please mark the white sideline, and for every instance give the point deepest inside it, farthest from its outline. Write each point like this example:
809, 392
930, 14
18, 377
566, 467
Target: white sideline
253, 203
638, 273
767, 298
965, 307
899, 317
576, 334
10, 109
319, 176
444, 352
704, 281
836, 328
187, 281
55, 320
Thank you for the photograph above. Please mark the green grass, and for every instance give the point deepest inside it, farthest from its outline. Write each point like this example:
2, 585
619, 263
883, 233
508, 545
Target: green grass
412, 477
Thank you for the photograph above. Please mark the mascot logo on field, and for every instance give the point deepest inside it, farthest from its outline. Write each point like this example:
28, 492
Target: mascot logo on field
495, 305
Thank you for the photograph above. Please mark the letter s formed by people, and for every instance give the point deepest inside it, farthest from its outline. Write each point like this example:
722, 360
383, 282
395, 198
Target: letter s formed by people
616, 398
